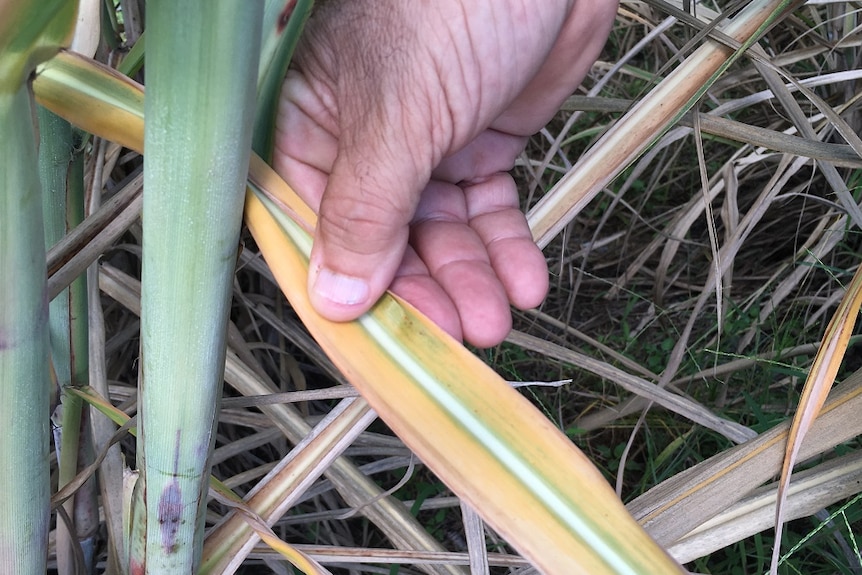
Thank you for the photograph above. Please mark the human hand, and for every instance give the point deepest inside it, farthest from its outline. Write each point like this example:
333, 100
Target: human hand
398, 126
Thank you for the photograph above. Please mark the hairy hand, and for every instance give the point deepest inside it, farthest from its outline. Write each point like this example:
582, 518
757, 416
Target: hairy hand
398, 125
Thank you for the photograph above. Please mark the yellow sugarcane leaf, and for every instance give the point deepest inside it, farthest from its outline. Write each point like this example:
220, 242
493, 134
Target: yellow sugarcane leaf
463, 420
94, 97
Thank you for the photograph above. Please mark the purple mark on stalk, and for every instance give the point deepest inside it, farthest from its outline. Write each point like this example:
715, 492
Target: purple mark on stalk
171, 506
170, 510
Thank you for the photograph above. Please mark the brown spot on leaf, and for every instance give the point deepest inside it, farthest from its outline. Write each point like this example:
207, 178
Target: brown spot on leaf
284, 16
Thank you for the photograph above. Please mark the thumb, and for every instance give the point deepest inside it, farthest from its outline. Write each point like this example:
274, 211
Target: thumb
362, 230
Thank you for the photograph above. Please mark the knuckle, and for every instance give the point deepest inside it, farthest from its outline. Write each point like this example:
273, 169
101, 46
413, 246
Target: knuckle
359, 224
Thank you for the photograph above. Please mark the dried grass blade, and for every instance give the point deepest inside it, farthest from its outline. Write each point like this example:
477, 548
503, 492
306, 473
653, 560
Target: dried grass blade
88, 28
638, 386
649, 119
842, 155
426, 559
801, 122
474, 531
299, 559
812, 490
817, 387
228, 543
715, 484
710, 221
70, 488
87, 242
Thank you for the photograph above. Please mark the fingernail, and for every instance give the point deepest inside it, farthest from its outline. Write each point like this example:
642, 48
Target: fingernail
339, 288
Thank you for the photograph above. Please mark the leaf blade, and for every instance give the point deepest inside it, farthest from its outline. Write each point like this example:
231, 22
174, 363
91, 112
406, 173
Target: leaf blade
814, 393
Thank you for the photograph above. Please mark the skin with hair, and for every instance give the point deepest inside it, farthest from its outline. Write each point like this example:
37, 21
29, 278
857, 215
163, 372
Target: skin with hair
398, 124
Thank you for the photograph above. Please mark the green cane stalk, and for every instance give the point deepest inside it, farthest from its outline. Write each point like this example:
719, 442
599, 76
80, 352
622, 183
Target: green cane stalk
29, 33
24, 374
61, 170
201, 74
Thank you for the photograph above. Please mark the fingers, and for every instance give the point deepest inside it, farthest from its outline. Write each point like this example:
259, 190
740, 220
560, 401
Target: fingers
474, 238
306, 151
383, 161
369, 116
414, 284
357, 133
494, 214
477, 246
351, 157
458, 262
489, 153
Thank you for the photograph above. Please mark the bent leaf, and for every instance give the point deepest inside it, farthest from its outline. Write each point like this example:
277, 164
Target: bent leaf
814, 393
93, 97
